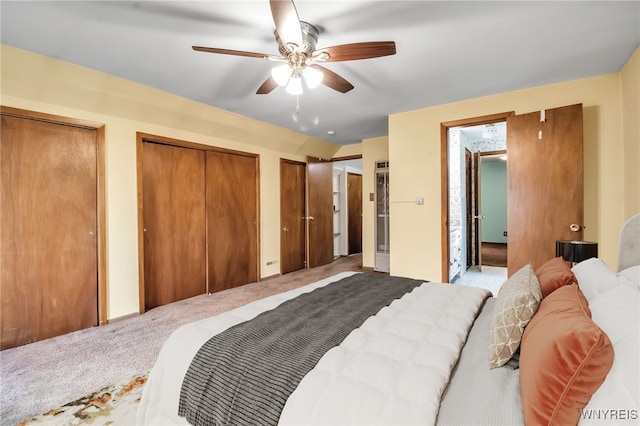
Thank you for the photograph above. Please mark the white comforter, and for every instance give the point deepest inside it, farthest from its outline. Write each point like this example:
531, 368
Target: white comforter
391, 370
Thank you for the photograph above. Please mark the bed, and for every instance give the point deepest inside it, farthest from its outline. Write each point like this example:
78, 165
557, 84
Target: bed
556, 346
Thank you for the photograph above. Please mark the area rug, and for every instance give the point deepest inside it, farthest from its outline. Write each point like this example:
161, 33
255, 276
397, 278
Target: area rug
113, 405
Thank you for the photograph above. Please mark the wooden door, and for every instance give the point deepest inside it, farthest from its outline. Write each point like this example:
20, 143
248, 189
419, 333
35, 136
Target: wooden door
232, 219
319, 212
354, 195
292, 212
477, 225
468, 167
48, 226
173, 223
544, 183
479, 215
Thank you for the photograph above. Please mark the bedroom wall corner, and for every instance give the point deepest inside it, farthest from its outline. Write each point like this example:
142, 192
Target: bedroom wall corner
373, 150
349, 150
630, 89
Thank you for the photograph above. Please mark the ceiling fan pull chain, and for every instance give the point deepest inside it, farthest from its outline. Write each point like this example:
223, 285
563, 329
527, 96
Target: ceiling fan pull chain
297, 104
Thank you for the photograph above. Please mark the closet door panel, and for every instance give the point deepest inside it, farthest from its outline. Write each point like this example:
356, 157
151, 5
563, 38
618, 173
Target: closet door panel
174, 223
48, 230
232, 219
292, 213
320, 208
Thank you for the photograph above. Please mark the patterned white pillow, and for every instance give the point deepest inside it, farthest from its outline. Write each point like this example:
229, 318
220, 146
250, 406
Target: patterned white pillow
517, 302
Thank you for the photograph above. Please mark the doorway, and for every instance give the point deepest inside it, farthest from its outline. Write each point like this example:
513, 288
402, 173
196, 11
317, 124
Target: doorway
545, 188
347, 207
464, 141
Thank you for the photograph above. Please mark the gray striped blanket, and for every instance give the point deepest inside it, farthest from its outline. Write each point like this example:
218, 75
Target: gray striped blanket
244, 375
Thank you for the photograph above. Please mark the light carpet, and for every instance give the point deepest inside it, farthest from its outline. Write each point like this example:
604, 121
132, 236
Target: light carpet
42, 376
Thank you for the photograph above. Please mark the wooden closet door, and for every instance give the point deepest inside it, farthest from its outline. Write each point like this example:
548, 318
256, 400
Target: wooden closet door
174, 223
292, 211
319, 211
48, 230
232, 220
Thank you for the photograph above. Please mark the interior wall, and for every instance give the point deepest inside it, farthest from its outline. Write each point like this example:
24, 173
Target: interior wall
37, 83
349, 150
373, 150
630, 88
493, 184
414, 144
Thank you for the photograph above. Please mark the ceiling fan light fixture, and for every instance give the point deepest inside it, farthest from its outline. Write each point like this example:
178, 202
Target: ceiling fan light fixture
294, 87
312, 77
281, 74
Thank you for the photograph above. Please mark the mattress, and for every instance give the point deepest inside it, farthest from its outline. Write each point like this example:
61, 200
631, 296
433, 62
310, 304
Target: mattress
391, 370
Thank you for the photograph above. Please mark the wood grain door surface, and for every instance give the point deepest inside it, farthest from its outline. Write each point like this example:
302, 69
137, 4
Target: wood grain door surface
174, 223
232, 220
354, 195
292, 212
319, 211
544, 183
469, 191
48, 230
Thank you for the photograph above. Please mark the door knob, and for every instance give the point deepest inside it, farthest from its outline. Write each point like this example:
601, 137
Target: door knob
574, 227
285, 229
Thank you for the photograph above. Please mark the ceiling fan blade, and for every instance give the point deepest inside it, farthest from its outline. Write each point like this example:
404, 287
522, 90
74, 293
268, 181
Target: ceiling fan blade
354, 51
231, 52
333, 80
287, 22
268, 85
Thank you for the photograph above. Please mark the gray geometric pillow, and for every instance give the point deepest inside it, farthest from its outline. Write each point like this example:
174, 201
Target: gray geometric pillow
517, 302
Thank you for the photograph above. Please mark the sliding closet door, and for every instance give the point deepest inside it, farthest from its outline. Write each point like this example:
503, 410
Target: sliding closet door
232, 219
173, 223
48, 229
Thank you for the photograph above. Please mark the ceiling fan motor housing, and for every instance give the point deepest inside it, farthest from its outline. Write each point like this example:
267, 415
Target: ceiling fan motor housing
309, 40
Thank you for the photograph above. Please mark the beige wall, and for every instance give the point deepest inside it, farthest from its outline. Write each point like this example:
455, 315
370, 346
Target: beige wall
349, 151
611, 125
630, 88
37, 83
373, 150
414, 156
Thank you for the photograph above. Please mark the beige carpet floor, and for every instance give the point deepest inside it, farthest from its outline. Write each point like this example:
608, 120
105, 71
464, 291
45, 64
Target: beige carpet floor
45, 375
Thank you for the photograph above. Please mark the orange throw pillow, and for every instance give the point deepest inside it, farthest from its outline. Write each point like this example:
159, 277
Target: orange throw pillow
564, 358
554, 274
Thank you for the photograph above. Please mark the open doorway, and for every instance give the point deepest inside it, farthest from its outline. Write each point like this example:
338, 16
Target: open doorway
347, 207
477, 208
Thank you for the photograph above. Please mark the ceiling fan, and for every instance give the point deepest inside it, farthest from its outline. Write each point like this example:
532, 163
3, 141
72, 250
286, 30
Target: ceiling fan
297, 46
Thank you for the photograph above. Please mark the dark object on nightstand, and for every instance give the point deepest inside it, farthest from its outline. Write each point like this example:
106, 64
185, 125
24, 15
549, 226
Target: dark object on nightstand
576, 251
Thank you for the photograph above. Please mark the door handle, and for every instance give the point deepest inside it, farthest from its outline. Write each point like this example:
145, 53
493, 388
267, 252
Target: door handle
574, 227
285, 229
479, 217
308, 217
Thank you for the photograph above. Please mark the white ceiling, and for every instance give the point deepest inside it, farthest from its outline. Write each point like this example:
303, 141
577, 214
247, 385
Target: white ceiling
446, 51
